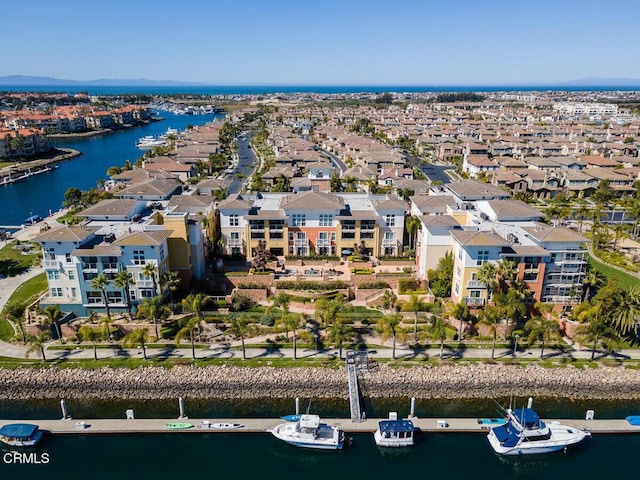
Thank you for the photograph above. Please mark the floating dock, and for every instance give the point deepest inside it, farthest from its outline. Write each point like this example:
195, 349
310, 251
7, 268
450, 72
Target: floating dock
260, 425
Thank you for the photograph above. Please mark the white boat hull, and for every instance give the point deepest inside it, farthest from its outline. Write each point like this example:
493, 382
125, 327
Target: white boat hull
326, 437
562, 437
19, 442
392, 442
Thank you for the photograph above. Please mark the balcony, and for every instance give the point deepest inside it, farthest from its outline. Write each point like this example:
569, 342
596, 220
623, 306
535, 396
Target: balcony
474, 301
323, 242
301, 243
366, 235
110, 267
51, 265
234, 242
144, 283
389, 242
476, 284
89, 267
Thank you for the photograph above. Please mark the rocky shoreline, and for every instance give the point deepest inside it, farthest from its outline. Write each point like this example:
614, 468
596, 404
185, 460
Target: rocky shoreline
429, 382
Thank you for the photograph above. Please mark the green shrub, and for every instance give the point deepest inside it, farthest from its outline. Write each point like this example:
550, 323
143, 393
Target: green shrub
311, 286
373, 285
250, 286
407, 285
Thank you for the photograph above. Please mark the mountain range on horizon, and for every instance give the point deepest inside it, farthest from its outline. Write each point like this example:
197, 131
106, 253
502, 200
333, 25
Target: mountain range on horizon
15, 80
27, 80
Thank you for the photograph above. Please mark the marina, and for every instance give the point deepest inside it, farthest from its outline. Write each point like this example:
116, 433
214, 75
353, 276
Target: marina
261, 425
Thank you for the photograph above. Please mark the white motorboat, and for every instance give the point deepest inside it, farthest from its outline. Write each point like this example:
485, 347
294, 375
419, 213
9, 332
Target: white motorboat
394, 432
310, 432
226, 426
149, 142
20, 434
524, 434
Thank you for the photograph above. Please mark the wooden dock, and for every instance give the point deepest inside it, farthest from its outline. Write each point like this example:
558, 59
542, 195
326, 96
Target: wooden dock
259, 425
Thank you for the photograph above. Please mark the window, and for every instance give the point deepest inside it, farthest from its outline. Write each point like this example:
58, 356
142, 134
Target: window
56, 292
50, 254
147, 293
94, 297
53, 275
299, 220
234, 220
74, 292
326, 220
71, 274
138, 257
483, 256
460, 253
161, 252
333, 236
391, 220
67, 257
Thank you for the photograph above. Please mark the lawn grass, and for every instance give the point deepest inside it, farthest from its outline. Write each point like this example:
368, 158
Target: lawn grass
24, 294
624, 279
12, 262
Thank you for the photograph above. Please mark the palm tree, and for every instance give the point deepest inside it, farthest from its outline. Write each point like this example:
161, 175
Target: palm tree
339, 331
412, 224
414, 305
487, 275
106, 321
541, 329
627, 310
291, 321
388, 326
171, 280
139, 336
92, 335
491, 317
460, 312
592, 280
150, 269
100, 283
152, 308
195, 303
506, 272
282, 301
189, 329
598, 329
633, 210
512, 306
619, 229
15, 312
54, 315
582, 214
327, 310
438, 330
123, 280
240, 328
37, 343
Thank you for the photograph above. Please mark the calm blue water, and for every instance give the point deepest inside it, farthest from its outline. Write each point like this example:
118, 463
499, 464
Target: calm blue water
260, 456
323, 89
41, 193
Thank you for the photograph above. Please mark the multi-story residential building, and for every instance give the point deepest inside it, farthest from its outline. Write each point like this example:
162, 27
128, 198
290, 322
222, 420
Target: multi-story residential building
313, 223
74, 256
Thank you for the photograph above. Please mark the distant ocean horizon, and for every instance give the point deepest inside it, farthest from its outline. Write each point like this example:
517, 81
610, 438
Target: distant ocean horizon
318, 89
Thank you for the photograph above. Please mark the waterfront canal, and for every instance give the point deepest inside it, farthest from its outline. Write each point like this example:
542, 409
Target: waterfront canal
40, 194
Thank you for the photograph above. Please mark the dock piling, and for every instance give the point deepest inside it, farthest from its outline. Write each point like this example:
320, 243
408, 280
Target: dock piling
297, 406
413, 408
181, 407
65, 413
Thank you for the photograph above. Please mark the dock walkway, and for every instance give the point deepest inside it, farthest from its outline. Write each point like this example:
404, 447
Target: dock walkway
259, 425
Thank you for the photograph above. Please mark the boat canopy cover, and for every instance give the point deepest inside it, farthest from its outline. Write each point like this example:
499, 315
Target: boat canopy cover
507, 436
401, 426
309, 421
18, 430
633, 419
527, 417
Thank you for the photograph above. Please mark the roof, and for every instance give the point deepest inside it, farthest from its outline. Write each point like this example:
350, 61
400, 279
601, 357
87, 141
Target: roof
514, 209
312, 200
439, 221
468, 189
478, 238
111, 207
98, 251
75, 233
546, 233
151, 237
402, 426
18, 430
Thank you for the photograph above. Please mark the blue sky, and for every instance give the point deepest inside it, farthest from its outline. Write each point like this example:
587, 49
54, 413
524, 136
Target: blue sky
404, 42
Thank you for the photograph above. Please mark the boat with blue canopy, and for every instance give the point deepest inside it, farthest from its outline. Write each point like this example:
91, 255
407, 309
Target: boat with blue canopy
525, 433
20, 434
